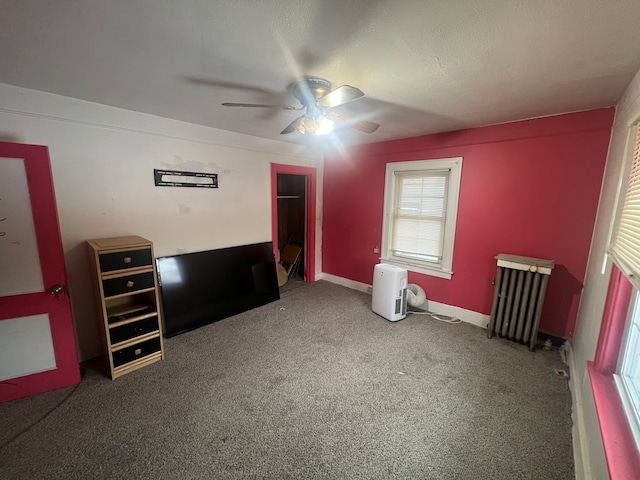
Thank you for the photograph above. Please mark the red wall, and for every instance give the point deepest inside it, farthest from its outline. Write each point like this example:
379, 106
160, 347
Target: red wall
528, 188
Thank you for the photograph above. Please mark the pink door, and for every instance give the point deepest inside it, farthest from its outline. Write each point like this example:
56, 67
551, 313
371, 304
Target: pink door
37, 341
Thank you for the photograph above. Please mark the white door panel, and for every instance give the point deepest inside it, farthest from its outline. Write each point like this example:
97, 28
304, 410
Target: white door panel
20, 270
26, 346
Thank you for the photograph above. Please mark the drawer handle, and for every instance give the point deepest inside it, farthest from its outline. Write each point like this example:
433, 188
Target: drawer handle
138, 351
129, 283
127, 259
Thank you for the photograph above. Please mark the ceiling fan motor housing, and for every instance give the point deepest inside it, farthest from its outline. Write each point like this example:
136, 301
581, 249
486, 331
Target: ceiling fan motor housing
309, 89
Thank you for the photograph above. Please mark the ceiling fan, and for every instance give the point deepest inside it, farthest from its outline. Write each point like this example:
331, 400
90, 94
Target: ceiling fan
318, 100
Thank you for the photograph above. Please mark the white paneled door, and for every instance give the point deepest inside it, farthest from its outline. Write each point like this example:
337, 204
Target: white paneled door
37, 341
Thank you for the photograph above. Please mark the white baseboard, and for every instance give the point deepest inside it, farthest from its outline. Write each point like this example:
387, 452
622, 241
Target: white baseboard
580, 453
345, 282
468, 316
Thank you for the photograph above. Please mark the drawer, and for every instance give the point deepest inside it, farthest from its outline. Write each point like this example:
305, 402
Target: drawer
134, 329
134, 352
127, 284
123, 260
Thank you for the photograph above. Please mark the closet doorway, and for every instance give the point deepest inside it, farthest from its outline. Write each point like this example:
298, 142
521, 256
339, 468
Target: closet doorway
294, 212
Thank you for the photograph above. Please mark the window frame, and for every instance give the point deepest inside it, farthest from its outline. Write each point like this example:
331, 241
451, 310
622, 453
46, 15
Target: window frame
621, 450
628, 394
623, 252
454, 165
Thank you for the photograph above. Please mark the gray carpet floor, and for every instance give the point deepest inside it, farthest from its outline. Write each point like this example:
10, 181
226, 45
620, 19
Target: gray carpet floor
315, 386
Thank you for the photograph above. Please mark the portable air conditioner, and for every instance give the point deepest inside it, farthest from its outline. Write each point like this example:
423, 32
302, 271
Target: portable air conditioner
389, 292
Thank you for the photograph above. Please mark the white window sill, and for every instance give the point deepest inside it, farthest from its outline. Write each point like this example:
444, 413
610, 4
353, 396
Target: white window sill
629, 408
412, 267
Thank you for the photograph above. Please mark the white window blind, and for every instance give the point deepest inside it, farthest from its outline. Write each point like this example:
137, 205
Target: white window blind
626, 245
419, 215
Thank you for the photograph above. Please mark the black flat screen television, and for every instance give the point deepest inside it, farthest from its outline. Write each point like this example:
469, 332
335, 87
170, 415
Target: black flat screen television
204, 287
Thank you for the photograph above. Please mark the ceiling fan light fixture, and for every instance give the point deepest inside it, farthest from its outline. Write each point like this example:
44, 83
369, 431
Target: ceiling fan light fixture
319, 125
305, 124
325, 126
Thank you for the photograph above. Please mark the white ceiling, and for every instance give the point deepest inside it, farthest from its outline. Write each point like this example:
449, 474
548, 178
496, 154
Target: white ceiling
425, 66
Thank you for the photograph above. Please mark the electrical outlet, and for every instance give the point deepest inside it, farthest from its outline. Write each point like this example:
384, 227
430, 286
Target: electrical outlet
369, 290
376, 250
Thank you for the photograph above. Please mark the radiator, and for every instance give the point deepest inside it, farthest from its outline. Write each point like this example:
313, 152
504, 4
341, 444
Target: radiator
521, 283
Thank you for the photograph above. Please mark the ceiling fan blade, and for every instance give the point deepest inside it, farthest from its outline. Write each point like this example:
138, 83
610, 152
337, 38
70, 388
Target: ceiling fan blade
340, 96
260, 105
365, 126
212, 82
292, 126
362, 125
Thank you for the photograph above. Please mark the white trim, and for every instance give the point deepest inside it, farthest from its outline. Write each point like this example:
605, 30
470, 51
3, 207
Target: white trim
418, 268
580, 449
345, 282
628, 361
150, 132
162, 127
629, 406
468, 316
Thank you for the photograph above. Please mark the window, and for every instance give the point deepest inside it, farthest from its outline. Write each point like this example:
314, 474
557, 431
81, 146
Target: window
625, 252
621, 452
615, 371
420, 210
628, 377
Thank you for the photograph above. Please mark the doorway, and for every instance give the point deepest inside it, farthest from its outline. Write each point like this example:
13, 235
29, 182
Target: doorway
292, 221
294, 215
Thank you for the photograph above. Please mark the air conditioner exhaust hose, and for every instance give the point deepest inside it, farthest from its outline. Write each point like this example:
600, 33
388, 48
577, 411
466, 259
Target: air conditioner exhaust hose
415, 295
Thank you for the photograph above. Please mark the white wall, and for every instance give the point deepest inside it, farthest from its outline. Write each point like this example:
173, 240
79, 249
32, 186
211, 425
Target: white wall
596, 283
103, 160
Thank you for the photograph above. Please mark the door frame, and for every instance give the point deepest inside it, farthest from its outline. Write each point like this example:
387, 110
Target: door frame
310, 173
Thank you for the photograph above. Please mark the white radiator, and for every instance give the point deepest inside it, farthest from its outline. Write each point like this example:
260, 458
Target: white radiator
521, 283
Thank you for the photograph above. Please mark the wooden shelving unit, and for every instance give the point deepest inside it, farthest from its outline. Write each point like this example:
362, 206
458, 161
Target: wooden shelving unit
125, 282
